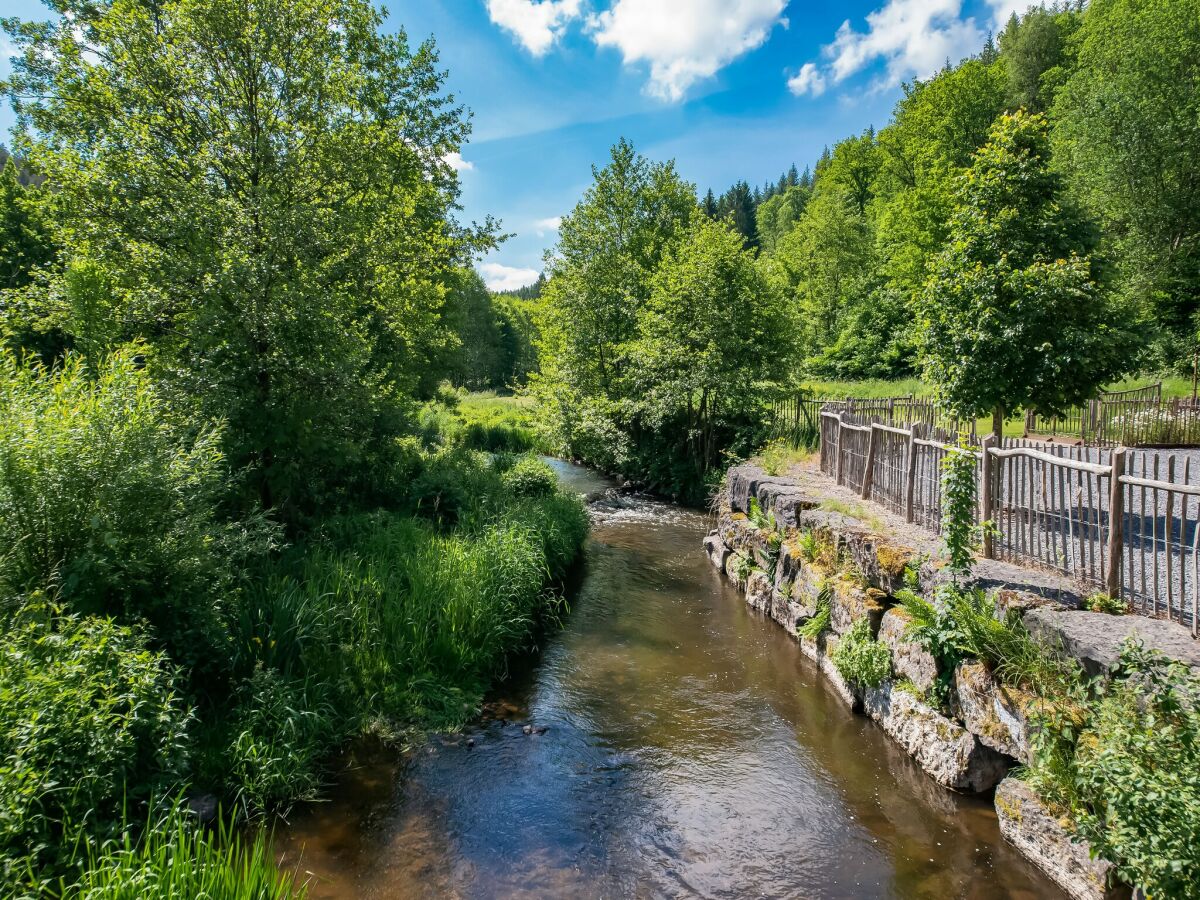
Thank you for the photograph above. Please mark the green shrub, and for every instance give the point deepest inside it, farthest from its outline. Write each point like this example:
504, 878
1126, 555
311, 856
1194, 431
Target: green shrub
90, 726
110, 499
173, 859
1124, 765
455, 487
861, 659
530, 477
1102, 603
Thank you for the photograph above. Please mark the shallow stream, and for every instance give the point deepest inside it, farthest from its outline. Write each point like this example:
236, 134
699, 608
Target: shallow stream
688, 749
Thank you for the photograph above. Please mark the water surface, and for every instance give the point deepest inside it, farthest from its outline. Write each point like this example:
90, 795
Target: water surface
689, 750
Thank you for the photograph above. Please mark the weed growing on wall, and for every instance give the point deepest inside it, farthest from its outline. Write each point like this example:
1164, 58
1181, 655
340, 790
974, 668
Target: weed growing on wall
861, 659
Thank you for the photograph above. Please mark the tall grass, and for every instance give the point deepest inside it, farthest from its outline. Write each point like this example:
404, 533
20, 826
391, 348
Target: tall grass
384, 621
173, 859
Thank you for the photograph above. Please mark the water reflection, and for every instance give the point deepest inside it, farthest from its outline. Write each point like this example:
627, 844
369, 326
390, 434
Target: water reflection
689, 750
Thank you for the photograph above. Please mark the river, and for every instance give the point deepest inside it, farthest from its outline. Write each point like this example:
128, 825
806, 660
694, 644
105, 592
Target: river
689, 750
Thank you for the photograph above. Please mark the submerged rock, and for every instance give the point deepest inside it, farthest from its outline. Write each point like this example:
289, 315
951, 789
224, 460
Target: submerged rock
1047, 842
948, 752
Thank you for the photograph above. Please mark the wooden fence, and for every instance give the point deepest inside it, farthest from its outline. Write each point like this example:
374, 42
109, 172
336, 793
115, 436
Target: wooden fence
1119, 521
1134, 418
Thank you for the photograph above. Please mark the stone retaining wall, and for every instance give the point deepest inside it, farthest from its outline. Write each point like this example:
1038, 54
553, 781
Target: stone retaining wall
797, 549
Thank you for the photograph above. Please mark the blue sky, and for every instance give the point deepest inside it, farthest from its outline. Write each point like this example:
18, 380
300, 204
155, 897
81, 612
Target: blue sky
729, 89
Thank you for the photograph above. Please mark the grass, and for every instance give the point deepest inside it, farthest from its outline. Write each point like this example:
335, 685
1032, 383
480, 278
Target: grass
853, 511
495, 422
174, 858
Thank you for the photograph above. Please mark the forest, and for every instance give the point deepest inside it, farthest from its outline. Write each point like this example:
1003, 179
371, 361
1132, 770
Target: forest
246, 514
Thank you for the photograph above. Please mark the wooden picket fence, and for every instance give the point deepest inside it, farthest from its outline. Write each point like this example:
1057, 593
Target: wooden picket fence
1118, 521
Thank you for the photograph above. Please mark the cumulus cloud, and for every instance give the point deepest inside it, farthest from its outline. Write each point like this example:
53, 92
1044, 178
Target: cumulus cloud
455, 161
506, 278
536, 24
913, 37
808, 80
910, 37
541, 226
684, 41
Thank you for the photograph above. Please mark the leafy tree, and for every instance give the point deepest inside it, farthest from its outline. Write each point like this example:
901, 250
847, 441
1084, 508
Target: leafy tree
936, 127
1034, 51
712, 332
1127, 124
600, 270
825, 264
779, 215
25, 243
264, 180
853, 168
1012, 315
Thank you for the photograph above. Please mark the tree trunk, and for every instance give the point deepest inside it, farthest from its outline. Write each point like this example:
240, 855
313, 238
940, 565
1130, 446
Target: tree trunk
998, 423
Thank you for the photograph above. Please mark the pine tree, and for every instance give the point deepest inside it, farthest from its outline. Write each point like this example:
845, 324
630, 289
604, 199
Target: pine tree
710, 205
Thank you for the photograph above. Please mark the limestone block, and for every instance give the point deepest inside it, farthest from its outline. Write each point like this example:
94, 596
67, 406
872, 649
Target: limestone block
1095, 639
851, 603
996, 714
1045, 841
881, 562
735, 530
950, 754
909, 659
735, 565
758, 590
717, 551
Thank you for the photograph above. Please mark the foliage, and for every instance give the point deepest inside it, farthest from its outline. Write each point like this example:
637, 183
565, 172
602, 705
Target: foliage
530, 477
779, 455
819, 622
959, 528
1122, 763
1012, 315
860, 658
1127, 120
112, 500
1103, 603
172, 858
289, 260
90, 726
639, 374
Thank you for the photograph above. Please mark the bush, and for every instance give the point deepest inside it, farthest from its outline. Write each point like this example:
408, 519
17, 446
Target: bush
861, 659
530, 477
1125, 767
110, 499
90, 726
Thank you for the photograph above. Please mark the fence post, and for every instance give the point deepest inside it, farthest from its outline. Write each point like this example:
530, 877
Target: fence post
841, 436
910, 480
1116, 523
869, 471
987, 497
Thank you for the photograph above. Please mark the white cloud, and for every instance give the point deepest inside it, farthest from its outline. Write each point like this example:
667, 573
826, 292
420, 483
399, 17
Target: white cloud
910, 37
506, 278
684, 41
913, 37
808, 80
455, 161
536, 25
541, 226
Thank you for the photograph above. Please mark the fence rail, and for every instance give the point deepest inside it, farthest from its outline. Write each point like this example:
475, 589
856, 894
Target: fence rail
1116, 520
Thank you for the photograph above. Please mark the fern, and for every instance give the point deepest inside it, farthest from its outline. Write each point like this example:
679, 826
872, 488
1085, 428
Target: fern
821, 618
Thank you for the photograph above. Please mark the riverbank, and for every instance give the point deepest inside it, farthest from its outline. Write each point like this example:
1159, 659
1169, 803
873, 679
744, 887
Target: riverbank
846, 580
166, 664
